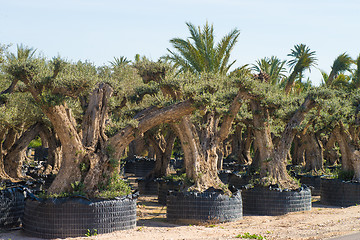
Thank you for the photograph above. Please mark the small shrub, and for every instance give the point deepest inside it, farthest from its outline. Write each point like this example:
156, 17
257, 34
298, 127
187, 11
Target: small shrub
90, 233
114, 187
250, 236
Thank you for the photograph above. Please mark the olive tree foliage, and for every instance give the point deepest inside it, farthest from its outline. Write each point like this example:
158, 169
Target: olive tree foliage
277, 118
86, 107
217, 102
342, 122
20, 118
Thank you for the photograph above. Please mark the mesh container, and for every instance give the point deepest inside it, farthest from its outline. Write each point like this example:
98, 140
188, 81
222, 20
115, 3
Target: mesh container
11, 207
267, 201
74, 217
204, 206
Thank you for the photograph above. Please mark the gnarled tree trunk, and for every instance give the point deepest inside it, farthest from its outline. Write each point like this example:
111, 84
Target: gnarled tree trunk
331, 155
299, 150
314, 159
350, 151
16, 154
92, 149
273, 158
54, 150
241, 145
163, 146
200, 152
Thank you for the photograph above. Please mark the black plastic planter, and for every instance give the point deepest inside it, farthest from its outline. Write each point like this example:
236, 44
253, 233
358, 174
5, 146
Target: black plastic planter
336, 192
74, 217
206, 206
267, 201
11, 207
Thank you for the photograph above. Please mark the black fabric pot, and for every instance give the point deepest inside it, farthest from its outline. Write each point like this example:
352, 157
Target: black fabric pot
164, 187
129, 166
147, 187
12, 203
224, 176
267, 201
238, 181
311, 181
204, 206
339, 193
74, 217
143, 166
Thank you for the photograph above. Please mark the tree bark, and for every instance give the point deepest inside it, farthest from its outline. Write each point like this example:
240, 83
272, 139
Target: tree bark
54, 150
3, 174
313, 153
273, 158
96, 114
299, 150
330, 154
200, 153
163, 147
16, 154
73, 150
350, 151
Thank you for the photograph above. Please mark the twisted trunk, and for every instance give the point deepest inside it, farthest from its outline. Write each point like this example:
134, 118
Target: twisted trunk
241, 145
200, 153
16, 154
163, 147
299, 150
314, 159
86, 157
350, 151
331, 155
273, 158
54, 150
3, 174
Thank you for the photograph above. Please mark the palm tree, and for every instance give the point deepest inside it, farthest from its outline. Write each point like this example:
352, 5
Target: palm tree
119, 62
273, 66
24, 53
303, 59
199, 53
341, 64
356, 73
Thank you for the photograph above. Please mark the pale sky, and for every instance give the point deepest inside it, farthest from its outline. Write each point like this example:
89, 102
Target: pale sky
99, 30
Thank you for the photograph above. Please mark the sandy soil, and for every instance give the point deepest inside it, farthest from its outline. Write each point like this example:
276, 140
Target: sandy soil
321, 222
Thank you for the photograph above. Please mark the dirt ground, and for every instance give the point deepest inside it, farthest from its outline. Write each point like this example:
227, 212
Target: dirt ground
321, 222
